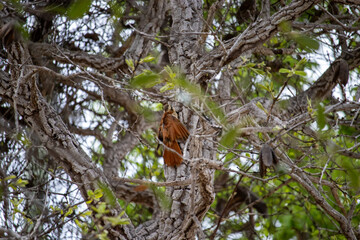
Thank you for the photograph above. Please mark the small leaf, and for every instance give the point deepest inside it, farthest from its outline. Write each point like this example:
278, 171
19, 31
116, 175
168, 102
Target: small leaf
301, 62
12, 186
90, 193
265, 87
300, 73
305, 42
352, 173
166, 87
170, 72
103, 235
147, 79
309, 106
117, 220
228, 139
130, 63
285, 26
122, 213
69, 212
100, 209
320, 117
250, 65
258, 71
108, 194
78, 223
259, 105
21, 183
9, 177
188, 86
147, 59
87, 213
98, 194
16, 202
164, 200
216, 110
78, 9
284, 70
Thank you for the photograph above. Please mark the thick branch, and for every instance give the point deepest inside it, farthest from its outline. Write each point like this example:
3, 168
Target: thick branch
256, 34
83, 59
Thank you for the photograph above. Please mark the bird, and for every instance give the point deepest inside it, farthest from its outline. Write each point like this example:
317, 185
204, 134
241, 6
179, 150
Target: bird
267, 159
170, 131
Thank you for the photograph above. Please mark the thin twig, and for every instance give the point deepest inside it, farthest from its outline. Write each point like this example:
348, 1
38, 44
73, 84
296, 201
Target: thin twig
159, 184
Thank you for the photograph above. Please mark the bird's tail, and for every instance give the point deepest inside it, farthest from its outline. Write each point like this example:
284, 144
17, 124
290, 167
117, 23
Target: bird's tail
171, 158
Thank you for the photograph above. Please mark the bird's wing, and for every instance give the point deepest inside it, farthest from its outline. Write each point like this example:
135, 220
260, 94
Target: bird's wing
179, 129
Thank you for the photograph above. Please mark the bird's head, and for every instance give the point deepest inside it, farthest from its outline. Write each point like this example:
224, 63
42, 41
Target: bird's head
171, 110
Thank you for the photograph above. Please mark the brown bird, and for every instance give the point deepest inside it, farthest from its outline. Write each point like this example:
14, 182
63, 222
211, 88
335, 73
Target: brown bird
267, 159
170, 131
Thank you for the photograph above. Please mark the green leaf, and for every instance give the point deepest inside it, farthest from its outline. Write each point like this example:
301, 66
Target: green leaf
90, 193
258, 71
117, 220
78, 9
103, 235
166, 87
117, 9
301, 62
300, 73
284, 70
216, 110
108, 194
147, 59
78, 223
130, 63
147, 113
164, 200
250, 65
309, 106
156, 107
228, 139
348, 130
305, 42
69, 212
100, 209
320, 117
259, 105
170, 72
98, 194
188, 86
285, 26
9, 177
23, 139
147, 79
87, 213
352, 172
265, 87
21, 183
